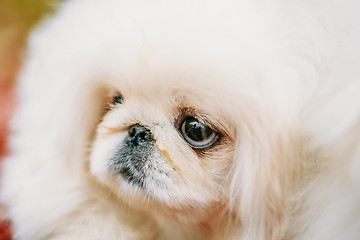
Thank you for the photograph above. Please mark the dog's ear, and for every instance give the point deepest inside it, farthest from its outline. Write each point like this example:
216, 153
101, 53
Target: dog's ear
260, 173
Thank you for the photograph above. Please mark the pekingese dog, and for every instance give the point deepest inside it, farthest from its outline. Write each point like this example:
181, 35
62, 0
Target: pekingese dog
192, 119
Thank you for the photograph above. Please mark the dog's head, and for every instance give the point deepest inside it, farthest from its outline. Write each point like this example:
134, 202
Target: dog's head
195, 126
199, 111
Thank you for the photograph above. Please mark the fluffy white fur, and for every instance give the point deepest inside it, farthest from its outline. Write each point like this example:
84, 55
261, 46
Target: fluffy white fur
281, 77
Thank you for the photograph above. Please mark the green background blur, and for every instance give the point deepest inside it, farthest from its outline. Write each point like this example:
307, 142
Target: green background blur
17, 18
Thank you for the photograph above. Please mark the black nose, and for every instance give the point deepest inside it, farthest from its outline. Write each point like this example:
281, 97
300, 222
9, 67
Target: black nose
139, 134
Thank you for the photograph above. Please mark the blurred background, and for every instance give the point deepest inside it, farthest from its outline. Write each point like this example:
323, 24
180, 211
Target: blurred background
17, 19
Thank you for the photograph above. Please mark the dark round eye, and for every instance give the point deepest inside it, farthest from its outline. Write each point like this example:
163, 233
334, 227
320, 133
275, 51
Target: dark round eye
118, 99
196, 134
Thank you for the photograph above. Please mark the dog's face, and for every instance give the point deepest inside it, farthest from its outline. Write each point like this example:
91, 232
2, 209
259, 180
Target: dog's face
188, 126
164, 146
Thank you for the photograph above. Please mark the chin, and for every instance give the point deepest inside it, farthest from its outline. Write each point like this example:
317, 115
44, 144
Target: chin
188, 120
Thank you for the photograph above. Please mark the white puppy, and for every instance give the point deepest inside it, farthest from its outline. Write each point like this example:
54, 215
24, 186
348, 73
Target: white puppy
189, 119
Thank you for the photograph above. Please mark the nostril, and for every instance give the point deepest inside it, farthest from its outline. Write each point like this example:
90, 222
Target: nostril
141, 135
132, 130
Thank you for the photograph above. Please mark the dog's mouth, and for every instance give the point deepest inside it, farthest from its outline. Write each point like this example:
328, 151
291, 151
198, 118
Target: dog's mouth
133, 164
